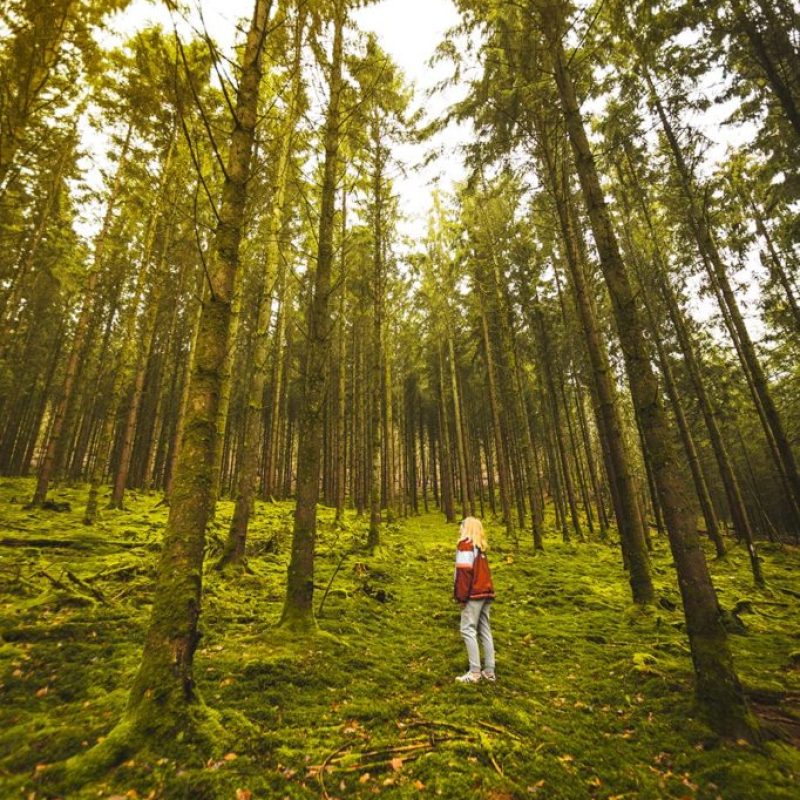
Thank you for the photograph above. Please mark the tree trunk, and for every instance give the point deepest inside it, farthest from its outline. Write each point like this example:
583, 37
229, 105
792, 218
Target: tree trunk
80, 336
609, 422
736, 506
717, 684
163, 690
718, 276
298, 611
499, 444
234, 549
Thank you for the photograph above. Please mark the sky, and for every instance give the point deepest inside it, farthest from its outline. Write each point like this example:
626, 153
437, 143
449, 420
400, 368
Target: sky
409, 31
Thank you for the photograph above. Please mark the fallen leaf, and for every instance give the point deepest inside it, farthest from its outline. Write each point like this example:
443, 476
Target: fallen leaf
230, 757
243, 794
419, 785
396, 764
43, 691
364, 778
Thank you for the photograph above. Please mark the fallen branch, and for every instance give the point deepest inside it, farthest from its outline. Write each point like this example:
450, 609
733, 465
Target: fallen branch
423, 723
120, 572
77, 544
498, 729
63, 586
96, 593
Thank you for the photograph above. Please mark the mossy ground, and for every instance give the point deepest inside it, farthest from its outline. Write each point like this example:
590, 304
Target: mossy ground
593, 699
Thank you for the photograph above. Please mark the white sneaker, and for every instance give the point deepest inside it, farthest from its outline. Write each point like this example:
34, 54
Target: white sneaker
469, 677
488, 675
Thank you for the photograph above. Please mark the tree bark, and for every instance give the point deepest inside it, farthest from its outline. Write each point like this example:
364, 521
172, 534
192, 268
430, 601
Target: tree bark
717, 685
298, 610
163, 690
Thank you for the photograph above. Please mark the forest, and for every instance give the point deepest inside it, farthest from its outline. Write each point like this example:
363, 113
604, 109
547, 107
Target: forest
245, 402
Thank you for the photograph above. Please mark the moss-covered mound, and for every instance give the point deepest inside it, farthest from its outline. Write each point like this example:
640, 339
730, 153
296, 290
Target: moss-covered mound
593, 697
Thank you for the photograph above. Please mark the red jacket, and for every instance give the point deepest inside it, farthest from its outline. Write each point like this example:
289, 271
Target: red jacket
473, 580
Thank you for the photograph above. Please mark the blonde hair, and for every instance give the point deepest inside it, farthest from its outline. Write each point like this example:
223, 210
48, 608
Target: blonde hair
472, 529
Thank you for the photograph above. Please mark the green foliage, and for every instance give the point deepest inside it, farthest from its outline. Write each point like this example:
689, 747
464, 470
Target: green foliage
593, 696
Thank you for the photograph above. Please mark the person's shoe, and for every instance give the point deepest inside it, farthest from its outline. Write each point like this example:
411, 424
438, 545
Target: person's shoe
488, 675
469, 677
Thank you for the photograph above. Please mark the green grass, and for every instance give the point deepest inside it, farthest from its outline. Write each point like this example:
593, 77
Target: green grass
593, 697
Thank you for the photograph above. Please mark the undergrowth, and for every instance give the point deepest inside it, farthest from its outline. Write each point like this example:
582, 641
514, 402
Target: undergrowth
593, 697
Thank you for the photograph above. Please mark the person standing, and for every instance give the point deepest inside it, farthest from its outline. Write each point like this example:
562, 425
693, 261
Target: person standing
473, 589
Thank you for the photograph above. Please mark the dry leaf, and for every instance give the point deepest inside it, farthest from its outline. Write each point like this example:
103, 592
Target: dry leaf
243, 794
396, 764
230, 757
43, 691
364, 778
419, 785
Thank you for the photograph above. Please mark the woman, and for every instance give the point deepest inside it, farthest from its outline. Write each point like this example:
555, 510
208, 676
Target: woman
473, 589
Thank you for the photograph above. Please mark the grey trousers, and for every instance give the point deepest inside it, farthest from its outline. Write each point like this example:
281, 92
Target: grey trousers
474, 624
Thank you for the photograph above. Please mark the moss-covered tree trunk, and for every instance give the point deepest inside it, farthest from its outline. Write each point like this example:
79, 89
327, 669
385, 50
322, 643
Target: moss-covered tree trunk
298, 610
717, 684
164, 688
341, 375
183, 401
379, 469
234, 549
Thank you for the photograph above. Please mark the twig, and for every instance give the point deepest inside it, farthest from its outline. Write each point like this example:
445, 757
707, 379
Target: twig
423, 723
96, 593
360, 767
324, 766
330, 582
496, 765
57, 583
498, 729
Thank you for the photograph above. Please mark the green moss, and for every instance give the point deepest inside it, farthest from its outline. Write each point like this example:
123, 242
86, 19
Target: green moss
594, 697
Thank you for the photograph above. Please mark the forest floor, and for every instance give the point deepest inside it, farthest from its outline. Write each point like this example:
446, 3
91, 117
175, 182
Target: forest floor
593, 698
